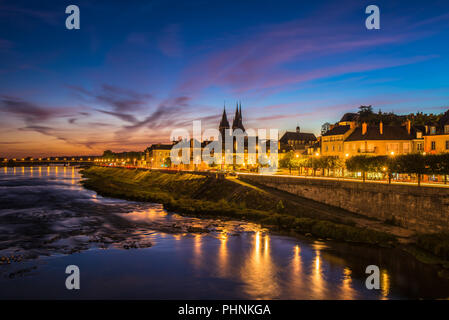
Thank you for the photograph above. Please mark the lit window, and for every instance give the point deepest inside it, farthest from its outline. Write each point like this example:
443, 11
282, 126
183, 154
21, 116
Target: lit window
447, 145
406, 147
433, 146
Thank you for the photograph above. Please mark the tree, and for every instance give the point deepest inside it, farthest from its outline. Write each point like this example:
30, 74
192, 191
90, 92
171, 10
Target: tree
359, 164
286, 161
332, 162
325, 128
108, 154
300, 163
167, 162
414, 163
439, 164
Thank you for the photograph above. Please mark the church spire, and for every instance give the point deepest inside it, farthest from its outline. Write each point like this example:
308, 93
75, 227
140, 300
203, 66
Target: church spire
241, 118
224, 124
237, 123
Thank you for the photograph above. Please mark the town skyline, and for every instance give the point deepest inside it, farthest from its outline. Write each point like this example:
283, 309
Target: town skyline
79, 92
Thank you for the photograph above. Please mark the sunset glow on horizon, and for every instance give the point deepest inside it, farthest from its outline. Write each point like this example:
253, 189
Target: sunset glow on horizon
135, 71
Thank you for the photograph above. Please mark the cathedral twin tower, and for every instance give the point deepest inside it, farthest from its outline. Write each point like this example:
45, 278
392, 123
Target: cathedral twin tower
236, 124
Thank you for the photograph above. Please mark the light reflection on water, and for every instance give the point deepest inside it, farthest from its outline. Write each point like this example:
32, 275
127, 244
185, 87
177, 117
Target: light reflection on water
237, 260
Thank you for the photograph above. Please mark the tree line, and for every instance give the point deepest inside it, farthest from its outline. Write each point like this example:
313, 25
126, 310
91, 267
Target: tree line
416, 164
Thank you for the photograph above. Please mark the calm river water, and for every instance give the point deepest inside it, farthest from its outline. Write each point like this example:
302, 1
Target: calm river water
49, 221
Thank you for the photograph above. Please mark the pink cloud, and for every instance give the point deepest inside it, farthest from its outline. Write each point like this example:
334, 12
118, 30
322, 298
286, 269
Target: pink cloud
264, 60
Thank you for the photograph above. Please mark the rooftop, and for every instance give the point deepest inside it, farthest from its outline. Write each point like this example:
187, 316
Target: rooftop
289, 135
337, 130
373, 133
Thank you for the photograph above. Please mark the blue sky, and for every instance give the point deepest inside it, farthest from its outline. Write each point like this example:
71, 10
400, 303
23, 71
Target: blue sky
138, 69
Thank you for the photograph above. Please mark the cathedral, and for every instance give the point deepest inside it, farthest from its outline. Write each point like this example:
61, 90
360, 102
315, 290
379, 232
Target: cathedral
237, 123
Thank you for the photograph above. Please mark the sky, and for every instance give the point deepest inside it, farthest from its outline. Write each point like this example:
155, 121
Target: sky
136, 70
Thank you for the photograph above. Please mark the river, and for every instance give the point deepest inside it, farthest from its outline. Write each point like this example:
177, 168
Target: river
133, 250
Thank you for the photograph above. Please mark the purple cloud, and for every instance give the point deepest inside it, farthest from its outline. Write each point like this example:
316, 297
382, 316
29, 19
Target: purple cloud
270, 57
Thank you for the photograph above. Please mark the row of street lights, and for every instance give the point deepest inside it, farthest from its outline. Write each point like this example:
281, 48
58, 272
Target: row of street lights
46, 159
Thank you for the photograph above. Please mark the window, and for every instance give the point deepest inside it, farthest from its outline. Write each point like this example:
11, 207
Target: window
433, 130
432, 145
446, 128
419, 135
339, 148
393, 147
447, 144
406, 147
419, 147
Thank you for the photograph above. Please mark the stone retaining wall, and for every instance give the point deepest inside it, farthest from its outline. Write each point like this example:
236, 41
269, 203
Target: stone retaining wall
424, 209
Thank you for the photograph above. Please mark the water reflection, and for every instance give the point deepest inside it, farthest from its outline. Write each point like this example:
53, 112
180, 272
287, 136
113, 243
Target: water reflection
223, 258
347, 292
297, 278
317, 283
241, 260
385, 283
259, 273
197, 252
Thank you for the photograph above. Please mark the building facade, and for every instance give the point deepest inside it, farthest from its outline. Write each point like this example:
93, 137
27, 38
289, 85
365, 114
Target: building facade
436, 136
158, 155
296, 141
383, 140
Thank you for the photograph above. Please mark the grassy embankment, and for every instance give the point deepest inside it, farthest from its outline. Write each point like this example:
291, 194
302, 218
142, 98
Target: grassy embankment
200, 196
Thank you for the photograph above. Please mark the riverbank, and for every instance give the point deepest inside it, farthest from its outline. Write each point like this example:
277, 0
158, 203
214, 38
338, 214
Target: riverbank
201, 196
